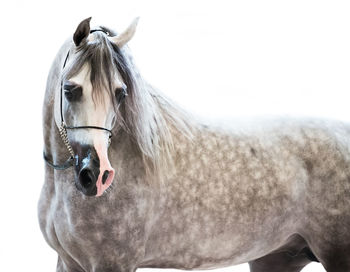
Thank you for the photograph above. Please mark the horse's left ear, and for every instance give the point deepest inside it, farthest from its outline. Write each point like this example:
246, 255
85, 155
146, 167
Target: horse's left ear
82, 31
124, 37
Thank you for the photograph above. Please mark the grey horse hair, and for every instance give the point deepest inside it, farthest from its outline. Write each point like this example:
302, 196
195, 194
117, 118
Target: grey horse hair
145, 114
274, 194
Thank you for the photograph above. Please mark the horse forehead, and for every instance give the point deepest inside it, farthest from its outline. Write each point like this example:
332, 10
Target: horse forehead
83, 78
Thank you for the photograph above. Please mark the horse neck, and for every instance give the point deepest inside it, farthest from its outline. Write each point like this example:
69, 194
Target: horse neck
173, 126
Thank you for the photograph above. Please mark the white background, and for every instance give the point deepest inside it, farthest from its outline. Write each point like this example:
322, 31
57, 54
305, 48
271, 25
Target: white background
219, 59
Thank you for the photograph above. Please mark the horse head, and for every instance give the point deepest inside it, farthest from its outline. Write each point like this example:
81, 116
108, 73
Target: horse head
94, 83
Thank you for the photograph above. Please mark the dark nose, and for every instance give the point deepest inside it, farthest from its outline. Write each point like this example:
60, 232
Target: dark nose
88, 180
87, 168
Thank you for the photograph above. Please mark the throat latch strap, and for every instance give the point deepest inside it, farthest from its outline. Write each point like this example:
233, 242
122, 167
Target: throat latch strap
68, 163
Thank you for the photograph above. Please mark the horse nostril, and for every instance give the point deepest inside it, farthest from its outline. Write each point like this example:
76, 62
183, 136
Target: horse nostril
105, 176
86, 178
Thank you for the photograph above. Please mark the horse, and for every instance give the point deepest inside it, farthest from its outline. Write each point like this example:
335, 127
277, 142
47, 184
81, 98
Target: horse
132, 180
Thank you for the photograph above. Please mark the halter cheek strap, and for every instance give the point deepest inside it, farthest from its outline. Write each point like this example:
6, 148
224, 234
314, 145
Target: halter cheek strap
63, 127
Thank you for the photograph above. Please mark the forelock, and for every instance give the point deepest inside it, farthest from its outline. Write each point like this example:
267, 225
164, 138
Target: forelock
104, 59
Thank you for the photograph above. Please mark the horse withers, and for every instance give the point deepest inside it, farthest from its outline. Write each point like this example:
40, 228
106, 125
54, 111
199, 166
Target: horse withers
133, 181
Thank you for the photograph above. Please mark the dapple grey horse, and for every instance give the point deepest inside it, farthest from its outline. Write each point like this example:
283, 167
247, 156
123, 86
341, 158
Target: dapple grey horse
134, 181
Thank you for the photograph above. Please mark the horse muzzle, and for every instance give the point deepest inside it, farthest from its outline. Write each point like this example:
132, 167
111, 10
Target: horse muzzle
94, 173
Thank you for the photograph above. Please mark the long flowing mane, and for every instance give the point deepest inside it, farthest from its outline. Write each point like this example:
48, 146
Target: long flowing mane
146, 114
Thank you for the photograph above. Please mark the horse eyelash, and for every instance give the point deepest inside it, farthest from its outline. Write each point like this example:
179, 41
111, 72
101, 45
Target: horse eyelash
120, 94
73, 94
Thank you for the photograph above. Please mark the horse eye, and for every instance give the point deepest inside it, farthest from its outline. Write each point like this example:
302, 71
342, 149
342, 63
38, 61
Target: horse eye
72, 93
120, 94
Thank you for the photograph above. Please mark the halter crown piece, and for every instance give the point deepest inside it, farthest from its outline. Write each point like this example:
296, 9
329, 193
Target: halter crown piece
63, 127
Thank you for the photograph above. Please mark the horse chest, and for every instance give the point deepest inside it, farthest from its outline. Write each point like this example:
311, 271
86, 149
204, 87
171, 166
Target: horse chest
96, 230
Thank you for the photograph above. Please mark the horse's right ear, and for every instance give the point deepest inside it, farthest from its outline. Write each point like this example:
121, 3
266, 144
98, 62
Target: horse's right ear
82, 31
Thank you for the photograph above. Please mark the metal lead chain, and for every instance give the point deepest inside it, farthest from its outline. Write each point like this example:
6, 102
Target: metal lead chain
64, 137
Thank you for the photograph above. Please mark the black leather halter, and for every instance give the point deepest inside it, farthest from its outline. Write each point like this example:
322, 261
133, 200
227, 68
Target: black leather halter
63, 127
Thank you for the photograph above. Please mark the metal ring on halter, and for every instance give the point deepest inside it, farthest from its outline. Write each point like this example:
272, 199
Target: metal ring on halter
63, 127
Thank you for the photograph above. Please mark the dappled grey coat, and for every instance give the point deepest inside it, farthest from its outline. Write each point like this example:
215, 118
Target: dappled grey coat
185, 195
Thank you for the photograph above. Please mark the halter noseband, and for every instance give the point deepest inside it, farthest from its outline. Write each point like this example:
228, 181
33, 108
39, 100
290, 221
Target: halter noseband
63, 127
